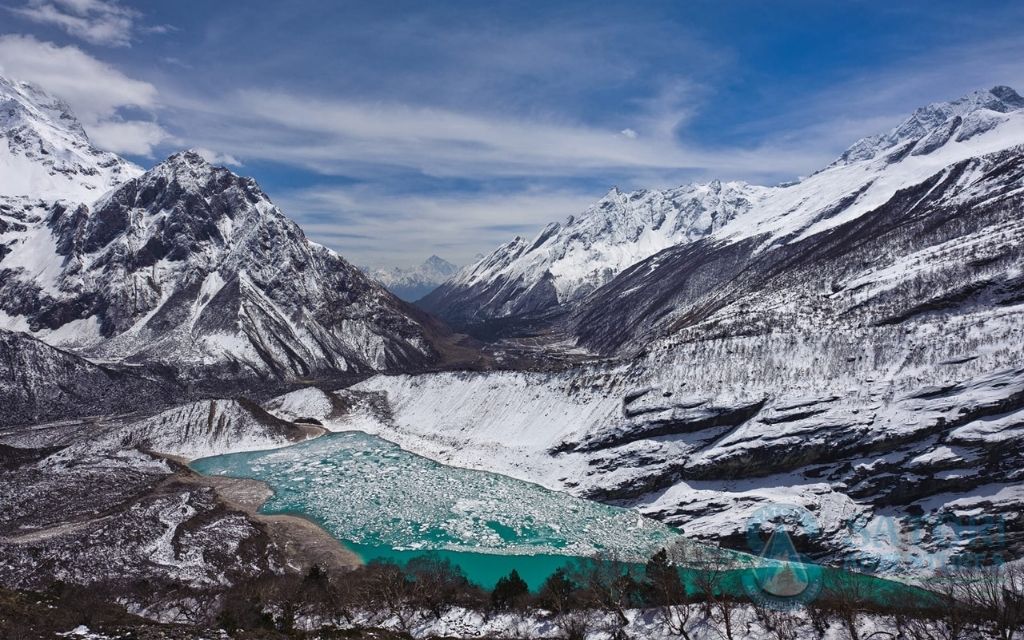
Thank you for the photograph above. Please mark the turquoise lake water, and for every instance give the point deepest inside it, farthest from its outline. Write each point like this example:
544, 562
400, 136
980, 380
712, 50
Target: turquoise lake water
386, 503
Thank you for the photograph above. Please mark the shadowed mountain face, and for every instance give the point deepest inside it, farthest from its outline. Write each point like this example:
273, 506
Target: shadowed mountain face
39, 382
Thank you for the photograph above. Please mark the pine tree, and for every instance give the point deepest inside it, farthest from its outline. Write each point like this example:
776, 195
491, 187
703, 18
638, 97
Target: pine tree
510, 592
557, 591
662, 584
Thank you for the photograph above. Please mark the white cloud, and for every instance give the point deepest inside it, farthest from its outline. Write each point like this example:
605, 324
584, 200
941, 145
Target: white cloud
100, 22
629, 133
369, 225
91, 86
95, 90
445, 142
135, 137
213, 157
355, 138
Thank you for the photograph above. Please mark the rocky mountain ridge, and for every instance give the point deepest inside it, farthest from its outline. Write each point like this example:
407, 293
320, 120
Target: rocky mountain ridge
186, 270
567, 262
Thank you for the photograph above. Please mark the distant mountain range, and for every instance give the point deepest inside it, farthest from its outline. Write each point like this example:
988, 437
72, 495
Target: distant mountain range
412, 283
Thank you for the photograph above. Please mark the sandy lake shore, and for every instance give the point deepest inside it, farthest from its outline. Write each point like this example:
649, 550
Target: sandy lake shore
303, 542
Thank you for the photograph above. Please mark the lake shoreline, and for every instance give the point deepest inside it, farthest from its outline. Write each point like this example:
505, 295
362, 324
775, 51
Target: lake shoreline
387, 503
302, 541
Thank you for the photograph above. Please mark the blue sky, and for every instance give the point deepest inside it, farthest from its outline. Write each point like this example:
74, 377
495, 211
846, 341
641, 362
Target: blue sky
393, 130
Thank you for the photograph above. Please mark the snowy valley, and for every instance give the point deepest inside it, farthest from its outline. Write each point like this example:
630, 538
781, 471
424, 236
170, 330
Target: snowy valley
851, 343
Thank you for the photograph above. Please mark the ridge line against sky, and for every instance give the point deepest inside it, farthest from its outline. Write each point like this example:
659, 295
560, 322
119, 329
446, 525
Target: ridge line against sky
399, 130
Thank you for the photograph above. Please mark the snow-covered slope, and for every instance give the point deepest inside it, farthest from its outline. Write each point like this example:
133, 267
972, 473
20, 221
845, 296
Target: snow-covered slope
413, 283
46, 154
979, 107
568, 260
852, 344
874, 169
194, 430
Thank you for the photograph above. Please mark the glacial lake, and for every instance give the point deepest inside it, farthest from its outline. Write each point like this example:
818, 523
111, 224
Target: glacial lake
385, 503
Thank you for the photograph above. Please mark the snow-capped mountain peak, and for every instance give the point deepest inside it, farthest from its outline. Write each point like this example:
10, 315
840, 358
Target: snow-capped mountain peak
925, 120
45, 152
183, 163
191, 266
438, 263
414, 282
569, 259
931, 141
26, 103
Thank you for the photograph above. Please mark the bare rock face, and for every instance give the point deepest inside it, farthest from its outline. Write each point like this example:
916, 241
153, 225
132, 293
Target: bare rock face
39, 383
